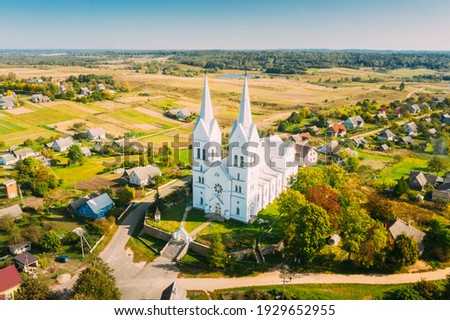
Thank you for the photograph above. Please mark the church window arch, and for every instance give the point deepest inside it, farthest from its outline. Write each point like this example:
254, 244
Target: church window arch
201, 200
242, 162
238, 211
235, 163
198, 153
204, 154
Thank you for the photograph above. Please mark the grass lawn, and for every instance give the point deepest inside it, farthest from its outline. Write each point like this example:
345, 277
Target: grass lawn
170, 218
347, 291
194, 220
237, 235
145, 248
133, 116
92, 166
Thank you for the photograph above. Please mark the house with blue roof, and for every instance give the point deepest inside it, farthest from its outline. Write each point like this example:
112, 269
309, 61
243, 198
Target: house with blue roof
97, 207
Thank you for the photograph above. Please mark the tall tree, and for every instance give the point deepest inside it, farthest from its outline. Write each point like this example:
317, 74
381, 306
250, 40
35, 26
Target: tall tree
311, 230
437, 164
405, 251
400, 188
125, 195
33, 289
217, 256
75, 155
289, 204
51, 241
437, 241
327, 199
96, 282
402, 86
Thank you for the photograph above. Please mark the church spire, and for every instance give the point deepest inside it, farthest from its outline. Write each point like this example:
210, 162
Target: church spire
206, 110
245, 114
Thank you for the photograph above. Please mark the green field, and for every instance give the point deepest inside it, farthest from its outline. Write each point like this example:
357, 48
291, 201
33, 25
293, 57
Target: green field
7, 127
136, 117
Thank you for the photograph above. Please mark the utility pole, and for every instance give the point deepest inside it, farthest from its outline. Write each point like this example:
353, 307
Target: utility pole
286, 279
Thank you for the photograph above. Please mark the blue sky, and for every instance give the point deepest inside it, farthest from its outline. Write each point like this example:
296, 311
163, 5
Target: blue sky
225, 24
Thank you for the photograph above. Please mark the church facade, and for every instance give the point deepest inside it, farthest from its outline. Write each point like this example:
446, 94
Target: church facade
254, 172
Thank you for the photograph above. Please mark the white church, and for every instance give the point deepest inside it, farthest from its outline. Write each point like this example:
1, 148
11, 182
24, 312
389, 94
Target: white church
253, 174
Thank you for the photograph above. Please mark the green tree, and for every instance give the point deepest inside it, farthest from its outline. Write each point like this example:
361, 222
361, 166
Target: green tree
308, 177
33, 289
217, 256
96, 282
311, 230
125, 195
402, 86
33, 176
437, 164
380, 209
405, 251
334, 174
51, 241
289, 205
75, 155
437, 241
400, 188
351, 164
372, 250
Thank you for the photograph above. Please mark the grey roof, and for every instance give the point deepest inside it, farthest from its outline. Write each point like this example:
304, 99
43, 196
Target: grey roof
407, 139
8, 157
398, 227
418, 179
23, 152
96, 132
331, 147
361, 140
411, 125
9, 182
145, 172
7, 102
385, 147
21, 245
78, 203
356, 120
98, 203
86, 151
14, 211
414, 107
432, 131
388, 133
26, 258
64, 142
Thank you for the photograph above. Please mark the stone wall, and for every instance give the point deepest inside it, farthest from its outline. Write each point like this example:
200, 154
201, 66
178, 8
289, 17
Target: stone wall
198, 248
156, 233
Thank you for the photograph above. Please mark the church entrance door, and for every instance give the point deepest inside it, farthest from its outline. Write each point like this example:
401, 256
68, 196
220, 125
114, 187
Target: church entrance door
218, 209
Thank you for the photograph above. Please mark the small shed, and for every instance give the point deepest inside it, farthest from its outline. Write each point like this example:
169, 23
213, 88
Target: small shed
97, 207
157, 215
19, 248
75, 205
10, 189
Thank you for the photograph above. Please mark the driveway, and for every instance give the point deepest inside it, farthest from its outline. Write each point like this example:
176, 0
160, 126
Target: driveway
139, 280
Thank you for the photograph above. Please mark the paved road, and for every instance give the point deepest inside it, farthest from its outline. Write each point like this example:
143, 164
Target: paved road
274, 278
139, 280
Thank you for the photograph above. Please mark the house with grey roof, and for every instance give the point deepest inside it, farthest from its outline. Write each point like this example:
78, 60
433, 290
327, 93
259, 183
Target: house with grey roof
411, 128
86, 152
398, 227
7, 159
432, 132
332, 147
354, 122
62, 144
85, 91
418, 180
75, 205
7, 102
386, 135
96, 134
22, 154
141, 176
445, 118
36, 98
305, 155
406, 140
361, 142
179, 113
414, 109
14, 211
385, 147
100, 87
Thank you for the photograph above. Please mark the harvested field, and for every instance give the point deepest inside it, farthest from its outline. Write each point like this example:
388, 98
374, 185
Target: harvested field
18, 111
96, 183
155, 114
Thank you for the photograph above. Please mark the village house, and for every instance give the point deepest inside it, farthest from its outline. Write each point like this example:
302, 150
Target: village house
85, 91
433, 132
7, 159
405, 140
418, 180
14, 211
100, 87
445, 118
385, 147
336, 130
442, 191
96, 134
36, 98
179, 113
62, 144
332, 147
10, 189
397, 113
314, 130
7, 102
22, 154
10, 281
86, 152
16, 249
414, 109
75, 205
141, 176
301, 137
439, 99
386, 135
354, 122
411, 128
382, 112
97, 207
361, 142
398, 227
26, 262
305, 155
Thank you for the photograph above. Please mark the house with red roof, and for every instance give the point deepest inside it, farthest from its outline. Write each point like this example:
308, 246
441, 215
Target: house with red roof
337, 130
9, 282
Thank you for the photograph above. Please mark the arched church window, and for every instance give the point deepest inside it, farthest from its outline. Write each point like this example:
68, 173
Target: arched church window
198, 153
201, 200
204, 154
235, 163
238, 211
242, 161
